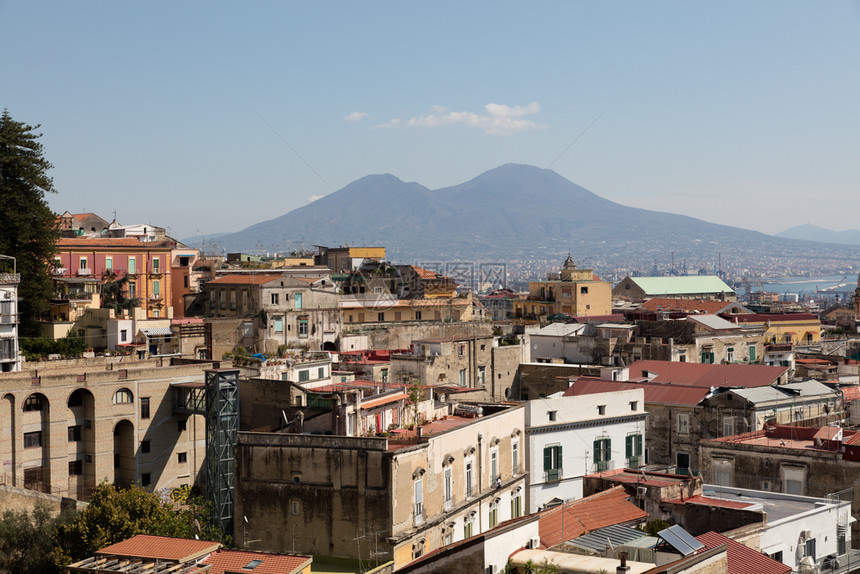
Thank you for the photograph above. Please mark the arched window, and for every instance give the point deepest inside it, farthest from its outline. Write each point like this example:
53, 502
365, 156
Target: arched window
123, 397
33, 403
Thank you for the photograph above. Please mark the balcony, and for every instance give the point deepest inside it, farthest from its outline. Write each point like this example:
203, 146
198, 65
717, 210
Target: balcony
59, 271
633, 462
85, 272
553, 475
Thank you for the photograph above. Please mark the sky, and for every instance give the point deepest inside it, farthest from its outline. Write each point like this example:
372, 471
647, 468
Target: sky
208, 117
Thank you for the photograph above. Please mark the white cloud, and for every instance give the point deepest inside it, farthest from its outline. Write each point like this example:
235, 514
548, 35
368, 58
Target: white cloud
355, 116
313, 198
497, 119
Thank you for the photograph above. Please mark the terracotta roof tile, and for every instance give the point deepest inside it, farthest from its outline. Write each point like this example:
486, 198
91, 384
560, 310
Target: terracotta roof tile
764, 317
587, 514
707, 375
103, 242
160, 547
657, 393
667, 304
235, 561
743, 560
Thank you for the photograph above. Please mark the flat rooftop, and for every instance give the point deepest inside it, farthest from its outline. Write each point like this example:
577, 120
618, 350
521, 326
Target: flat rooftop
776, 506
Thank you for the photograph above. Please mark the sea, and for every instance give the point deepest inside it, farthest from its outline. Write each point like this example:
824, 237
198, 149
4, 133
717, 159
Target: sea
807, 286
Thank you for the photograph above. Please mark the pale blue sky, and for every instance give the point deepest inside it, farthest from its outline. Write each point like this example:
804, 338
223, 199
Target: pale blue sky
742, 113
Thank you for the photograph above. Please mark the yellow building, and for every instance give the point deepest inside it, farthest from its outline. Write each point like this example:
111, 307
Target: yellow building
577, 292
794, 328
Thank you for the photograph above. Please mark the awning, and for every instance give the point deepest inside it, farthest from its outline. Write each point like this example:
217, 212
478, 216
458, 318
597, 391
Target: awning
157, 332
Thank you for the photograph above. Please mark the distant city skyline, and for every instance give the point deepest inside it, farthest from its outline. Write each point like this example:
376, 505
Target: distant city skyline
210, 117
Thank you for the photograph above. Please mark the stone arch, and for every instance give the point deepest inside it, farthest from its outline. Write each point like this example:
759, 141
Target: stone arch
82, 443
123, 453
8, 444
35, 457
329, 346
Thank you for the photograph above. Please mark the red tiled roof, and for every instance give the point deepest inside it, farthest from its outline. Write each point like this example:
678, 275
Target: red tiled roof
104, 242
708, 306
235, 561
82, 216
657, 393
160, 547
827, 433
586, 514
853, 440
243, 279
425, 273
706, 375
743, 560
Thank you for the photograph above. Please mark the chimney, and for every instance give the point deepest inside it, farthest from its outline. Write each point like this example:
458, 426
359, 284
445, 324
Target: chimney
623, 568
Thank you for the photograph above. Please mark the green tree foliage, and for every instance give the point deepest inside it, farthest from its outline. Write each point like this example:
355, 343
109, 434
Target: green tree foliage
116, 514
28, 227
27, 541
37, 347
113, 296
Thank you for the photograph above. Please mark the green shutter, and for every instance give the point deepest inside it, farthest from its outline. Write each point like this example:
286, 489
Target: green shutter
597, 451
558, 457
628, 445
547, 458
639, 446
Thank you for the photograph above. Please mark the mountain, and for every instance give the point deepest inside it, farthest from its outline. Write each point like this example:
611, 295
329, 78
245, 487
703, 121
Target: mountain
810, 232
512, 212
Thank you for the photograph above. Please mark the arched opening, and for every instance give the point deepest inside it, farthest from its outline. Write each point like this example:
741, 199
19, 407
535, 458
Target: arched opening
35, 456
8, 452
82, 444
123, 453
329, 346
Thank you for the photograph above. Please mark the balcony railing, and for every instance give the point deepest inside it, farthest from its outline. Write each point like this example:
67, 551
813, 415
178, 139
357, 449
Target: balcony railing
553, 475
633, 462
10, 277
85, 272
59, 271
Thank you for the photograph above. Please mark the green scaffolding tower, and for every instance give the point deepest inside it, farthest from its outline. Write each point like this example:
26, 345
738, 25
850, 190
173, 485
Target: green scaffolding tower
222, 424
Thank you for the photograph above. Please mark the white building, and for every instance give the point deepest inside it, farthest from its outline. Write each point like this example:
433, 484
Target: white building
9, 360
569, 437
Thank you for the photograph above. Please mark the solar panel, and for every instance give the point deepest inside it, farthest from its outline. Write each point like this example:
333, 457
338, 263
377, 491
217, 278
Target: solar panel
680, 540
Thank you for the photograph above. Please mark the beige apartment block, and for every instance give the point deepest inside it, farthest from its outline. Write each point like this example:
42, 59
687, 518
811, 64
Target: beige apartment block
65, 426
382, 498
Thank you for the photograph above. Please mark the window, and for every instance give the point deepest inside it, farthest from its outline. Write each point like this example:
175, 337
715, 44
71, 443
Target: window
156, 313
276, 299
809, 548
144, 446
682, 424
752, 351
180, 426
449, 487
222, 296
462, 377
108, 263
156, 264
232, 299
279, 325
494, 464
602, 453
132, 266
723, 472
145, 479
304, 376
419, 500
494, 514
708, 357
729, 426
32, 439
516, 505
76, 467
730, 354
682, 461
123, 335
633, 450
583, 290
132, 290
682, 356
380, 316
551, 415
515, 457
469, 479
295, 507
417, 315
298, 300
384, 376
75, 433
552, 463
144, 407
467, 527
123, 397
182, 457
461, 350
321, 373
601, 409
482, 372
156, 288
83, 263
303, 328
33, 403
634, 405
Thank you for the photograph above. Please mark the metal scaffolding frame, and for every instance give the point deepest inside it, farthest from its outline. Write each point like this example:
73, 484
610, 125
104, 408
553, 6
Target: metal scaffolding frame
222, 424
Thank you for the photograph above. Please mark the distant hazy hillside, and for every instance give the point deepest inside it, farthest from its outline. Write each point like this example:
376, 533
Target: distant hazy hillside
810, 232
509, 212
